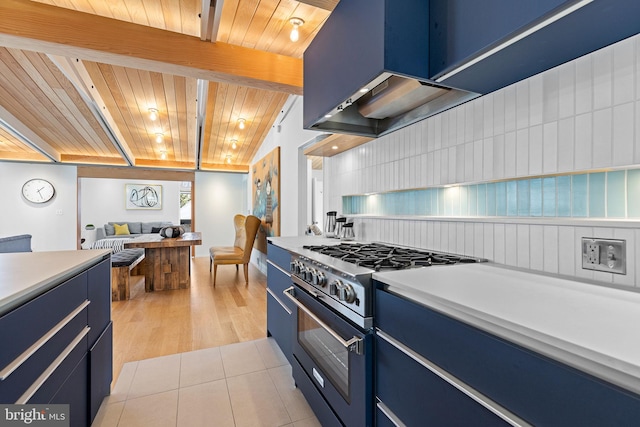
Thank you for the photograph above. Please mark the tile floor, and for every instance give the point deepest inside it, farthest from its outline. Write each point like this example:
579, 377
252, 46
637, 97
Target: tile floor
242, 384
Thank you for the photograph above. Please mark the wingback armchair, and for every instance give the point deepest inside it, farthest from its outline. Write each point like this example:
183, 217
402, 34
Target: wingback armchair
240, 253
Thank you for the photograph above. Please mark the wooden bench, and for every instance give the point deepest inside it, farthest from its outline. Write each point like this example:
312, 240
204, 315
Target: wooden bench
122, 263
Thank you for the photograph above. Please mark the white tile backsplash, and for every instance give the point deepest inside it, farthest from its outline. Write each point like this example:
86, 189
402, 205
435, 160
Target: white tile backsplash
550, 249
536, 250
580, 116
623, 128
550, 148
602, 132
535, 150
623, 72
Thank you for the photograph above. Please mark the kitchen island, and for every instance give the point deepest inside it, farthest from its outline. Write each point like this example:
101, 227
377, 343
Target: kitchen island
56, 330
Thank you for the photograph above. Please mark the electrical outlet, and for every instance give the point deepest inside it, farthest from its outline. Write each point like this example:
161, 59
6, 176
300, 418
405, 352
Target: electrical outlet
604, 255
593, 253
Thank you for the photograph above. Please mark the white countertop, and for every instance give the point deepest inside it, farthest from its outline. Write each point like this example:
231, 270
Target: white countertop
592, 328
25, 275
295, 243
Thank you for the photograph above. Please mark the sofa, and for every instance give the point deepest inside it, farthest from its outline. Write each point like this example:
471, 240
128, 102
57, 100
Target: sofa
19, 243
135, 229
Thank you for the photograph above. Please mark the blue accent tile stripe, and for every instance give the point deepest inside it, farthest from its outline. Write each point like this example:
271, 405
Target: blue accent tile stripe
564, 196
597, 195
579, 195
633, 193
614, 194
535, 197
549, 197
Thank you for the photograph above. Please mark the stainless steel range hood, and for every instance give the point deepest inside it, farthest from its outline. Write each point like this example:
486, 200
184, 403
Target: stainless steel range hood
366, 71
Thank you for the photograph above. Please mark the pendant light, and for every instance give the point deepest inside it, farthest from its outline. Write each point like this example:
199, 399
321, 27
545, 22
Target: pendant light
295, 34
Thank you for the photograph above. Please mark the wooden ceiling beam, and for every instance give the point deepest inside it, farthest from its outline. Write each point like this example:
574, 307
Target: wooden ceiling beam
23, 156
322, 4
134, 173
93, 160
224, 167
78, 75
54, 30
21, 131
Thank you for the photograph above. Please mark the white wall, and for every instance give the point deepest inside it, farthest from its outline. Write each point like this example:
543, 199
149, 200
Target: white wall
102, 200
218, 197
52, 224
288, 133
580, 116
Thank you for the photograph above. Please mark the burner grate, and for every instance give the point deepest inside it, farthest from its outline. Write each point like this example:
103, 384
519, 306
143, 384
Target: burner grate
378, 256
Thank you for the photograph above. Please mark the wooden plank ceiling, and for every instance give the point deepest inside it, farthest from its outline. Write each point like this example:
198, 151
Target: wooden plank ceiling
78, 79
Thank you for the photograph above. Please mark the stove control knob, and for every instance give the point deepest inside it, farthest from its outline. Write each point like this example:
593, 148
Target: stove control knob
314, 276
333, 287
308, 273
299, 267
346, 293
319, 278
293, 266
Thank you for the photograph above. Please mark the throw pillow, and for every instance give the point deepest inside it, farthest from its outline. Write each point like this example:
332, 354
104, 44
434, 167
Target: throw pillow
121, 229
155, 229
109, 230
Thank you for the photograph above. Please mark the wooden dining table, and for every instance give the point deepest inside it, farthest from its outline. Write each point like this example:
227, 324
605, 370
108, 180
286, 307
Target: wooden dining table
166, 260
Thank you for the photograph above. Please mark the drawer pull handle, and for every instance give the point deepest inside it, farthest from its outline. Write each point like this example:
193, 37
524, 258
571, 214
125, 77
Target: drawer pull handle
54, 365
355, 344
18, 361
390, 415
285, 308
285, 272
481, 399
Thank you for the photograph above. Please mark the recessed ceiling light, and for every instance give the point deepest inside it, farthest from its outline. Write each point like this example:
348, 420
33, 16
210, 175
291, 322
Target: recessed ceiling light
163, 155
234, 143
228, 158
335, 147
153, 114
159, 137
241, 123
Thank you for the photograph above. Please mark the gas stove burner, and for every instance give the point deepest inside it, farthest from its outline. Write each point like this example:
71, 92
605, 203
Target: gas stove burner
377, 256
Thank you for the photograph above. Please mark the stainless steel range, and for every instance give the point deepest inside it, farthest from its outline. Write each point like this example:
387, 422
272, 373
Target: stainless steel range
333, 291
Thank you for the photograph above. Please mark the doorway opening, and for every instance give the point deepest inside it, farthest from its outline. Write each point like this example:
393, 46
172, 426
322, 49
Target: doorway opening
185, 205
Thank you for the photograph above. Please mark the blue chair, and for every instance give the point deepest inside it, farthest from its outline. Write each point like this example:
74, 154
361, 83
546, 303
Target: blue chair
21, 243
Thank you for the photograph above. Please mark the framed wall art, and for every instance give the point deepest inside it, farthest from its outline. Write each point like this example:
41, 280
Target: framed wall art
266, 196
143, 196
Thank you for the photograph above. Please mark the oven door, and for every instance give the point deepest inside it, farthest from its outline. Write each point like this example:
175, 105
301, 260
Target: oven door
336, 356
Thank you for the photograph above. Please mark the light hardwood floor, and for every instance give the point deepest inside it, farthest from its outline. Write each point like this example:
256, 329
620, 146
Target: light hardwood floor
169, 322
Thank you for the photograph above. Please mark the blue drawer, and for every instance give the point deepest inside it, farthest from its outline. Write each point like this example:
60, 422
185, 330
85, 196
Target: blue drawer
36, 333
279, 256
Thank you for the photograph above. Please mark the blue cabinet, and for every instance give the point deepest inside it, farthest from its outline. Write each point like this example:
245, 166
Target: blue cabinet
73, 392
50, 341
539, 390
281, 315
461, 30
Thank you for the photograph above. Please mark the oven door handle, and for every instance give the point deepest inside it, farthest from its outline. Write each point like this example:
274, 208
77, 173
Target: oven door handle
355, 344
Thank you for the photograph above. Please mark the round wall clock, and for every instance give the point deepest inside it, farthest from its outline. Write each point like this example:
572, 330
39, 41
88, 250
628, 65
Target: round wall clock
38, 190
